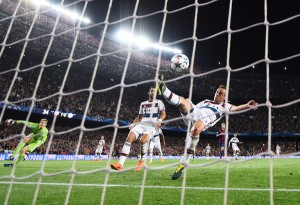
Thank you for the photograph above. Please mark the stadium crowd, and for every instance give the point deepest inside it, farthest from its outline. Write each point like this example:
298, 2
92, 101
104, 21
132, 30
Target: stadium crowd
67, 142
103, 103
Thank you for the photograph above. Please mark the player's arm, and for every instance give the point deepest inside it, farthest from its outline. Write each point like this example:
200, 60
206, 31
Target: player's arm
14, 122
28, 124
161, 118
136, 121
229, 143
251, 104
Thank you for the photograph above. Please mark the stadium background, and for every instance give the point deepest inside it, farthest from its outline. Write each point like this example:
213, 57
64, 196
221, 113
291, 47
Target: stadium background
252, 126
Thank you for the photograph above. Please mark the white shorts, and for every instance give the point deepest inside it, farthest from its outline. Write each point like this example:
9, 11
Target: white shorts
195, 115
153, 144
235, 148
99, 150
140, 130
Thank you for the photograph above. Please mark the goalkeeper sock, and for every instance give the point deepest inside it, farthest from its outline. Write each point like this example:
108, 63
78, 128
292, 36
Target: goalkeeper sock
170, 97
18, 148
20, 158
125, 152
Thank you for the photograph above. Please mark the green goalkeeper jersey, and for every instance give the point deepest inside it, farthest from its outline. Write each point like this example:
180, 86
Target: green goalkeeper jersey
38, 134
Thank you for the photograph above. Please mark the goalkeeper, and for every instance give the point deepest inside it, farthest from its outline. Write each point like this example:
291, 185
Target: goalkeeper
35, 139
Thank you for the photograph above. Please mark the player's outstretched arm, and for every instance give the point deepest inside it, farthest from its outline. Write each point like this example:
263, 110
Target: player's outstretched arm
137, 120
252, 104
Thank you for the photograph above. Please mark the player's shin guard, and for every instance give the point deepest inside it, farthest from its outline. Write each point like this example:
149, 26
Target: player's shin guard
125, 152
191, 143
171, 97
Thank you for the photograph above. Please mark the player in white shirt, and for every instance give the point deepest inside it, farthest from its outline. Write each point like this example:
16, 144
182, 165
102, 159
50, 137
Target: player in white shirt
234, 144
99, 149
278, 150
155, 143
151, 114
203, 115
207, 150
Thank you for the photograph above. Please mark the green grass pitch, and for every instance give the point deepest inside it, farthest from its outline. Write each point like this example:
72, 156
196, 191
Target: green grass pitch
248, 183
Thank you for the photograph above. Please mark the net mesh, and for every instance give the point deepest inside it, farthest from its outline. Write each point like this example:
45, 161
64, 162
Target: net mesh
73, 71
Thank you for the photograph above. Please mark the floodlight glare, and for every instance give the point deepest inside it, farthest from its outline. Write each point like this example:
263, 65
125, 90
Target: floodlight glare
65, 12
142, 42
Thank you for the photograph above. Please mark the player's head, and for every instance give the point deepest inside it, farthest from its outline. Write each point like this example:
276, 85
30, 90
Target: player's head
152, 92
220, 94
102, 137
235, 134
43, 122
223, 126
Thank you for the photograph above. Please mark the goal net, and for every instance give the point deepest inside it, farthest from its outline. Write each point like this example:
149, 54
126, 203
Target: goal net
86, 66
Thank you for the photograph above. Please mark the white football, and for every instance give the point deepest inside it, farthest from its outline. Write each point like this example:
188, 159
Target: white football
180, 62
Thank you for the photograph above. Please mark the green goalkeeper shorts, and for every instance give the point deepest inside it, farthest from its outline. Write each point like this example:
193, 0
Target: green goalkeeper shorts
34, 144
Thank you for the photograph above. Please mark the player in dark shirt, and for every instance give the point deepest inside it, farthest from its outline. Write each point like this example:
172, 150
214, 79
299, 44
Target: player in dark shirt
221, 137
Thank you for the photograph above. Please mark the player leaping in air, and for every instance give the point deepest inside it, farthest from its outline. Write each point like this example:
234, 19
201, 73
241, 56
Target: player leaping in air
202, 115
35, 139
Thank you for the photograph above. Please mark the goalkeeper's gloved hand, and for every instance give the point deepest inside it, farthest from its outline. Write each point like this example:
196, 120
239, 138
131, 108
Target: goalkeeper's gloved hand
10, 122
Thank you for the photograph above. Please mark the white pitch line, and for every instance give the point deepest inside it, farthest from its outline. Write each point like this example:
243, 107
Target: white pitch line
153, 187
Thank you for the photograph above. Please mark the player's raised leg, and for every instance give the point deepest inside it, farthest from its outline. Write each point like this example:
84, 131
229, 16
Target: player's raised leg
183, 104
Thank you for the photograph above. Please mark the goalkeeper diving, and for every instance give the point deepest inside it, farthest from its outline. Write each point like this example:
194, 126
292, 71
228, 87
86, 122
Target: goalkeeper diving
35, 139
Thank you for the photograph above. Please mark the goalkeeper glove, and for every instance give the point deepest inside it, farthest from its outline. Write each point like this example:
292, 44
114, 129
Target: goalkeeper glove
10, 122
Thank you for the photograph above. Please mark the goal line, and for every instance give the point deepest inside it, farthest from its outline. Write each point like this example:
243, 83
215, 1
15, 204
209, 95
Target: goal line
151, 187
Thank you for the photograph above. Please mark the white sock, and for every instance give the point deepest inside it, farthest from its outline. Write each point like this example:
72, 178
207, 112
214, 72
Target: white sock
144, 148
151, 155
191, 143
125, 152
170, 97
